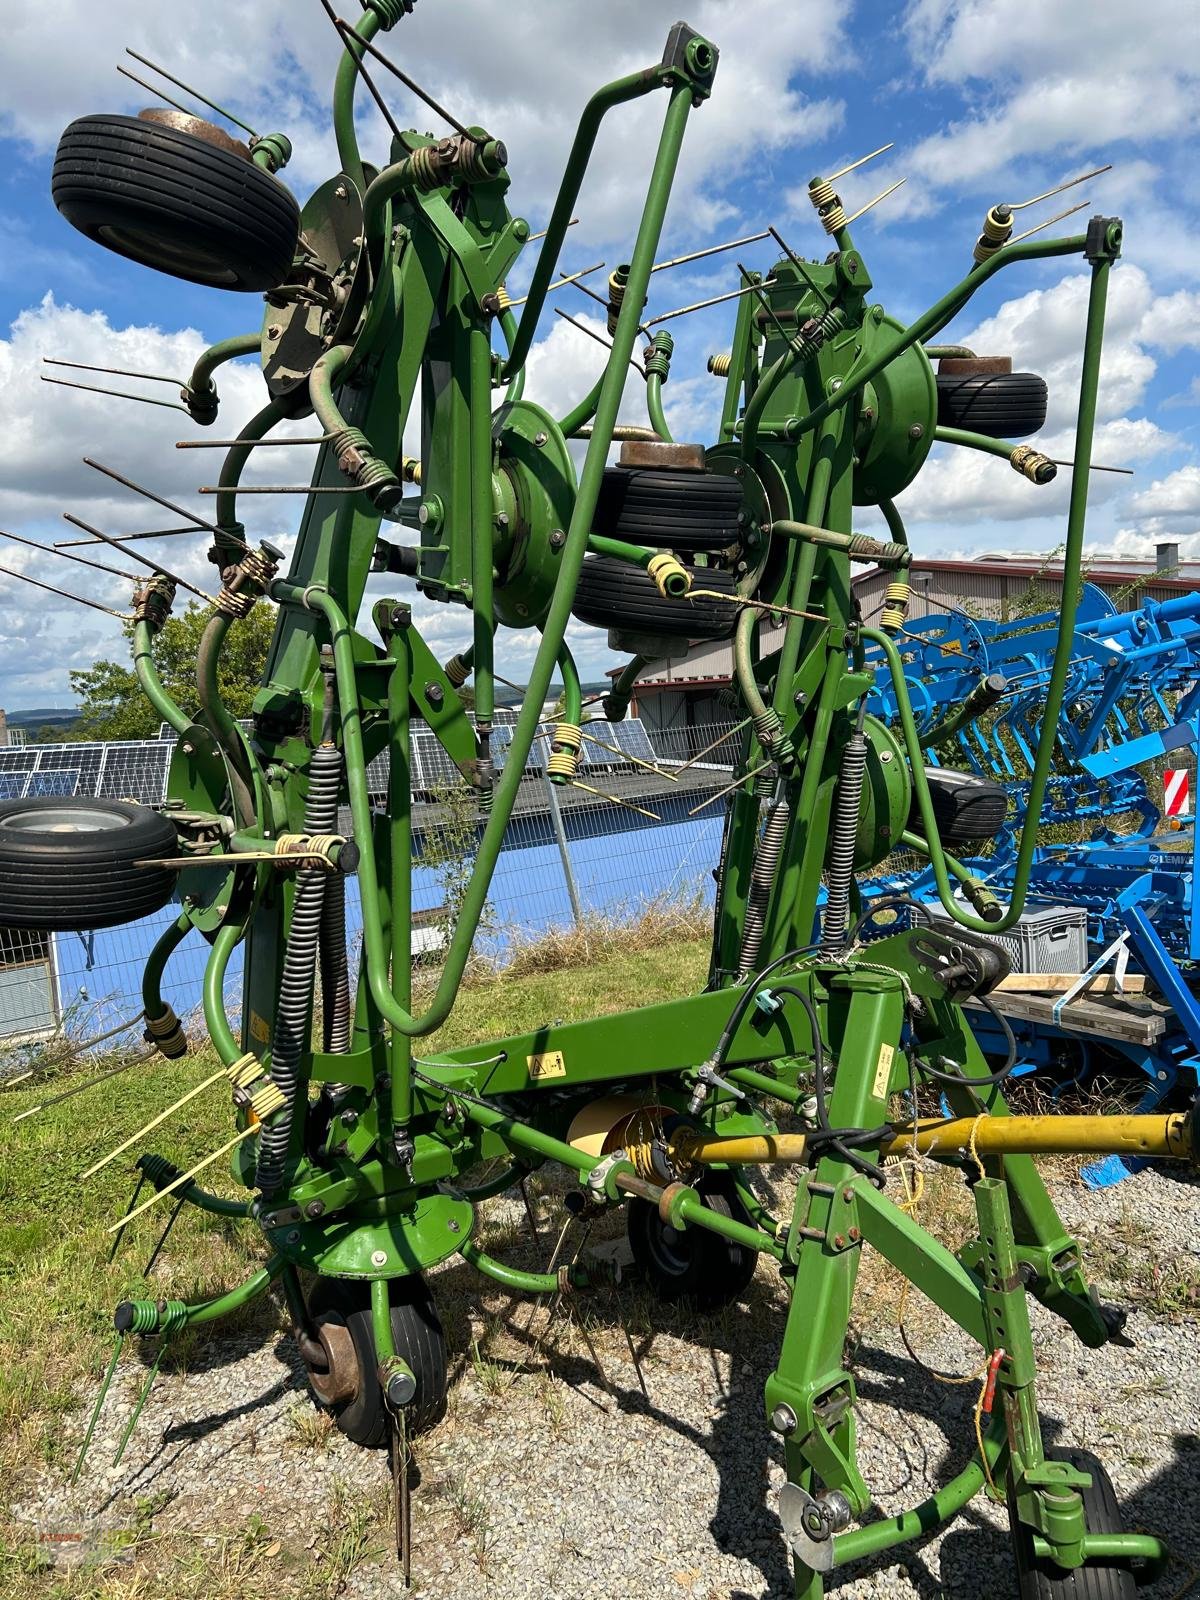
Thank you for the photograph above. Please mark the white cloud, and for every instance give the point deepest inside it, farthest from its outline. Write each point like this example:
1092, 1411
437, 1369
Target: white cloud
1176, 496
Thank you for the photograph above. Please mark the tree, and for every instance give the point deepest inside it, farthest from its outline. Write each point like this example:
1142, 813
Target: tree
111, 702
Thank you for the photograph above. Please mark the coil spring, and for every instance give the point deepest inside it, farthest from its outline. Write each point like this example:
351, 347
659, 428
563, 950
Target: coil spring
150, 1316
828, 205
728, 698
617, 280
887, 553
165, 1033
809, 344
614, 706
895, 605
667, 570
564, 753
503, 298
389, 12
158, 1170
359, 462
335, 964
720, 364
843, 840
766, 861
299, 968
457, 670
658, 356
152, 601
410, 469
250, 579
997, 231
767, 727
427, 167
476, 162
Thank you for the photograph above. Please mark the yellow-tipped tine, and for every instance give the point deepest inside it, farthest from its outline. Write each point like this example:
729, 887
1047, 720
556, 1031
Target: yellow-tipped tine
862, 210
184, 1177
615, 801
1050, 193
625, 756
1050, 221
152, 1124
861, 162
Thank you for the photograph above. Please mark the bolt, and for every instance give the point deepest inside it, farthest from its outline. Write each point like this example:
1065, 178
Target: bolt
522, 610
454, 1225
379, 1258
916, 431
539, 439
885, 756
340, 191
401, 1387
855, 1236
783, 1418
557, 538
502, 520
293, 1236
839, 1241
433, 693
834, 385
314, 1209
188, 748
422, 514
350, 1119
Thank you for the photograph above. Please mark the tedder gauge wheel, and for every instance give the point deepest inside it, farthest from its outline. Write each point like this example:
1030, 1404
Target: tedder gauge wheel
1039, 1579
69, 865
1000, 405
348, 1385
669, 510
190, 206
695, 1265
615, 594
966, 806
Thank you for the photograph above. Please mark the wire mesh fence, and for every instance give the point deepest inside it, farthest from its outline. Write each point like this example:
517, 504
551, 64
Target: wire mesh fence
642, 825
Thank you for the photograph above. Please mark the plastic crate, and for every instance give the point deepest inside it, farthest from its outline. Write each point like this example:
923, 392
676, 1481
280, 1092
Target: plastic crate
1052, 939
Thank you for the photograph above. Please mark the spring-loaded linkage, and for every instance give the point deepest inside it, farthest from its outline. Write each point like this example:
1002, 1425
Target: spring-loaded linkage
844, 837
828, 205
762, 879
294, 1013
565, 745
720, 363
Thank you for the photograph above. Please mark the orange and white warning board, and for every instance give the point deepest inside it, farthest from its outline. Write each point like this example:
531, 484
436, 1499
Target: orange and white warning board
1175, 791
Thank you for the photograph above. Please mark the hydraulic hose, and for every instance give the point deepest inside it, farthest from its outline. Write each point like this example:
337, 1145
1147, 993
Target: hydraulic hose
583, 412
294, 1011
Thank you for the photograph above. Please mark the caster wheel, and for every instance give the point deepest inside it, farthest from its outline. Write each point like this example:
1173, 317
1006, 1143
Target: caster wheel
347, 1384
1095, 1580
700, 1267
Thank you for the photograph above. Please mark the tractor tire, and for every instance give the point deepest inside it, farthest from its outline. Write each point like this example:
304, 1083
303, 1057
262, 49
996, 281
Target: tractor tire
419, 1340
703, 1268
1000, 405
685, 511
176, 202
68, 865
1095, 1580
615, 594
966, 807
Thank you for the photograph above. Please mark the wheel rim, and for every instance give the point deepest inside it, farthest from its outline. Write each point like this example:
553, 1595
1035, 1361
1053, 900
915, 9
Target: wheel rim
671, 1250
63, 819
167, 256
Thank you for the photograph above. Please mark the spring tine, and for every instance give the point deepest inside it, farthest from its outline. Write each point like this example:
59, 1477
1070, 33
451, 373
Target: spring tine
185, 1177
133, 1200
159, 94
581, 1324
115, 372
49, 550
121, 616
636, 761
88, 1083
345, 29
153, 566
124, 538
561, 283
1094, 466
800, 266
615, 801
187, 89
701, 305
709, 748
247, 444
765, 302
533, 1227
592, 334
148, 494
1049, 222
533, 237
117, 394
1020, 205
141, 1401
585, 288
92, 1420
871, 204
284, 488
361, 69
154, 1122
730, 787
637, 1365
861, 162
713, 250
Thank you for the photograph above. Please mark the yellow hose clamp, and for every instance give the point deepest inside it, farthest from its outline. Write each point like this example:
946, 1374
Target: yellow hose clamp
457, 670
666, 570
895, 605
720, 364
828, 205
166, 1034
1032, 464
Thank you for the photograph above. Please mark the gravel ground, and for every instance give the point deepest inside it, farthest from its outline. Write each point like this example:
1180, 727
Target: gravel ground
555, 1481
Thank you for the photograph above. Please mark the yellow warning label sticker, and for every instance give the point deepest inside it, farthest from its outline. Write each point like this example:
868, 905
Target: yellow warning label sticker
950, 647
883, 1071
259, 1028
549, 1065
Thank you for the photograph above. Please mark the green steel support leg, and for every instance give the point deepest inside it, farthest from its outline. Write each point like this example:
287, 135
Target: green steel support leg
400, 884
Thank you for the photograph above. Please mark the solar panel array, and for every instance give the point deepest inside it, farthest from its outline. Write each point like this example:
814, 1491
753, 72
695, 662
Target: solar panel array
128, 769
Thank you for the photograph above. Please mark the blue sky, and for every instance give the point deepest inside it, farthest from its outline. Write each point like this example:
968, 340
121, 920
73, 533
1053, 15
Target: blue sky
985, 101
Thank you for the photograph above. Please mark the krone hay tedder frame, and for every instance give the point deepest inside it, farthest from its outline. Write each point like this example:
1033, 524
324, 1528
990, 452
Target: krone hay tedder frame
384, 294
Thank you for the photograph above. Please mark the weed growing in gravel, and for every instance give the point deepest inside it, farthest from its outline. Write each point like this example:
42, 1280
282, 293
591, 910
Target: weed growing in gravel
309, 1429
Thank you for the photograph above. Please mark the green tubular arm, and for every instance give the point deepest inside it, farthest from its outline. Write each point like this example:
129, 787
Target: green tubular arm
320, 387
242, 344
161, 1172
516, 388
156, 964
638, 555
1056, 688
235, 460
488, 1190
977, 891
482, 511
572, 688
584, 411
654, 407
344, 85
515, 1278
894, 521
618, 697
631, 87
1003, 448
934, 318
215, 968
558, 615
235, 1299
816, 501
743, 664
147, 675
217, 714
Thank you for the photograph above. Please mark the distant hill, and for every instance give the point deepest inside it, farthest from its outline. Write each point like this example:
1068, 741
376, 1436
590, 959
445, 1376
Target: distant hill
44, 717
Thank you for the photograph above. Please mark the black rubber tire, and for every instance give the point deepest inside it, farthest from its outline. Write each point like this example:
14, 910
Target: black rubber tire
966, 806
680, 511
615, 594
176, 203
702, 1268
419, 1339
1095, 1580
1001, 405
67, 865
